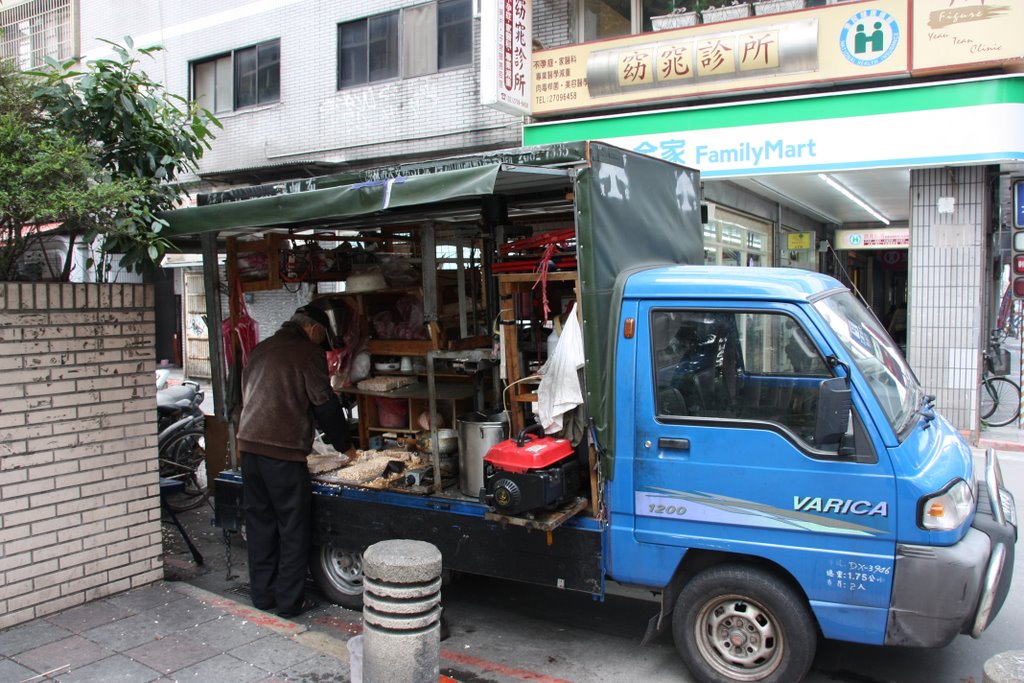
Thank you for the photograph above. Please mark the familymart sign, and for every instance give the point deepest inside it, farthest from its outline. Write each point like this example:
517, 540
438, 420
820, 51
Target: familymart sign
953, 123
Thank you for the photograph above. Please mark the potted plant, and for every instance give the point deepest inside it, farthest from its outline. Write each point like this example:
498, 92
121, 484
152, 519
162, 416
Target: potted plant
734, 10
679, 17
776, 6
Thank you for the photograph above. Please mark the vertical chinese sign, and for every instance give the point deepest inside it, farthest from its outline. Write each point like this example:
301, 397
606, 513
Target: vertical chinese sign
506, 54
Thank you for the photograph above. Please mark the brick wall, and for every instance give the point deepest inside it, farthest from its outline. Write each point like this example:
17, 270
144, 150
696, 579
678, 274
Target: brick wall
79, 497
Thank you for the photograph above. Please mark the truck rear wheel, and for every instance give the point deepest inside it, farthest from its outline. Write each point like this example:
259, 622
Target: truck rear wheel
738, 623
339, 575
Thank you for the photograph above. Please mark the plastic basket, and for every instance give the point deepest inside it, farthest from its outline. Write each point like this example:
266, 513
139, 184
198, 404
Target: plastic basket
998, 360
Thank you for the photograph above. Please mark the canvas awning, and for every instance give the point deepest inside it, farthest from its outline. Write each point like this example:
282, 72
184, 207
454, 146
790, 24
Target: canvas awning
322, 206
527, 176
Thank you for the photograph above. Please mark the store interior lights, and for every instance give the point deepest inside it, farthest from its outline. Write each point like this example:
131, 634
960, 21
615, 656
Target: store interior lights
846, 192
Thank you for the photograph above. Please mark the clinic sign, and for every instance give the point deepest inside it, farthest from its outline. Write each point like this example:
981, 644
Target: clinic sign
820, 45
882, 238
506, 52
966, 33
772, 52
869, 37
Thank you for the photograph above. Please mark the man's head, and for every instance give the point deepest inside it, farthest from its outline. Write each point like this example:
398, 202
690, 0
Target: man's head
316, 324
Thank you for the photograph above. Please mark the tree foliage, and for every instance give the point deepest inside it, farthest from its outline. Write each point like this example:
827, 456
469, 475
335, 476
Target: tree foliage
97, 150
45, 177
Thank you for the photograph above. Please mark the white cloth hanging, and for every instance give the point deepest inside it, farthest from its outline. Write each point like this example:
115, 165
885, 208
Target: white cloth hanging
559, 391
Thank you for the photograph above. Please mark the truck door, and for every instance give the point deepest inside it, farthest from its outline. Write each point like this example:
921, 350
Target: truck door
726, 458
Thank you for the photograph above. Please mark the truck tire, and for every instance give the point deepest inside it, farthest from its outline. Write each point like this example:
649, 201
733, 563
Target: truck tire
740, 623
338, 573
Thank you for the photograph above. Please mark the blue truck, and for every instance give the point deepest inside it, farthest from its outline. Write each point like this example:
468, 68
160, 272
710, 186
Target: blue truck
756, 451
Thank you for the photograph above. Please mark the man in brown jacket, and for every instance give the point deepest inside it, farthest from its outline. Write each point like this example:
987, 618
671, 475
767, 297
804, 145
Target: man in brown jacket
285, 392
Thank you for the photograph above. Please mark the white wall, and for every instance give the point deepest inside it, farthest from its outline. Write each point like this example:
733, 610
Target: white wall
438, 113
948, 287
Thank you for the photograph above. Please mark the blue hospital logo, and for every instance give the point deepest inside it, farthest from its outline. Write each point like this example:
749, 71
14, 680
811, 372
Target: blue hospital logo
869, 37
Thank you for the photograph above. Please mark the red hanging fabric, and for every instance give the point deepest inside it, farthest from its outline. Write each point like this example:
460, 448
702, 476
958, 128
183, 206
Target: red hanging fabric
246, 330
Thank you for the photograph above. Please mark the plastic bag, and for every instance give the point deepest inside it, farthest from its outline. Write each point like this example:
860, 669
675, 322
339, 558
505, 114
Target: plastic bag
559, 391
246, 329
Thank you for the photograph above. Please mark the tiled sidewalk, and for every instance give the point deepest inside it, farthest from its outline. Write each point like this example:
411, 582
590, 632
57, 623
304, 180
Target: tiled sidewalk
168, 632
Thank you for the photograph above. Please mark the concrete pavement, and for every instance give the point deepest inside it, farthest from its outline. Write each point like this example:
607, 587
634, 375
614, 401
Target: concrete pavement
165, 632
1009, 438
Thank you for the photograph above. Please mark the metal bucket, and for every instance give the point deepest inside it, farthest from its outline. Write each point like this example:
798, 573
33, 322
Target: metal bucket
477, 433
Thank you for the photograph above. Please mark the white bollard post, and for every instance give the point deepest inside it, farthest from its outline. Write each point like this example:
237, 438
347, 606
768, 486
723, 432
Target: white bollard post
1006, 667
401, 612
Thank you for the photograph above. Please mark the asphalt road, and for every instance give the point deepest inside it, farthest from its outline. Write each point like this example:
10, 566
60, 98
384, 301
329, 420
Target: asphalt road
503, 632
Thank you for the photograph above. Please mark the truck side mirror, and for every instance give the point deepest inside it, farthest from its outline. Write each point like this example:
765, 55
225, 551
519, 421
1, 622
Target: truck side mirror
833, 418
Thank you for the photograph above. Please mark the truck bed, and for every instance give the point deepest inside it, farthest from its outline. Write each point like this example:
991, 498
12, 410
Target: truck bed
569, 557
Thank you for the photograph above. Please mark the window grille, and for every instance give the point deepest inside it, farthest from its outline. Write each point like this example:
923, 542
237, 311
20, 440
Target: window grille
30, 31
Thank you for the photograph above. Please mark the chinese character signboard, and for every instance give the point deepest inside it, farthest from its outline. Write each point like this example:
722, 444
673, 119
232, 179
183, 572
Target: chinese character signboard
690, 61
1018, 203
796, 241
1017, 187
881, 238
505, 55
825, 44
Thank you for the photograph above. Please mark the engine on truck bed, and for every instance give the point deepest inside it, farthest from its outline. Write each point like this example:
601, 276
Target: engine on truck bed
529, 473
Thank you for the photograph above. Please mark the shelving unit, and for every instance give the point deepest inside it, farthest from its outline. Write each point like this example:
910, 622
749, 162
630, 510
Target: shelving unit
510, 286
452, 399
454, 315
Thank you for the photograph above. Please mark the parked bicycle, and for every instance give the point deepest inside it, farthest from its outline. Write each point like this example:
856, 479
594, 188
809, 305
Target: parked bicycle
1000, 396
181, 443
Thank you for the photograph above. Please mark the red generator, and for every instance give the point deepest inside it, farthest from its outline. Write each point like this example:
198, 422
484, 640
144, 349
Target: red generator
529, 472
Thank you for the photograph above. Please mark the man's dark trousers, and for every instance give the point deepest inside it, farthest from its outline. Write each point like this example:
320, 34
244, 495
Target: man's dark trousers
277, 500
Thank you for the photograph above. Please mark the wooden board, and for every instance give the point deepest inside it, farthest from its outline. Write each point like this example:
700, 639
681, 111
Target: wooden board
548, 520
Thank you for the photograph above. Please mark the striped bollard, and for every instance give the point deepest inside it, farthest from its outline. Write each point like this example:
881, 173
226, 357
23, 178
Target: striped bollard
401, 612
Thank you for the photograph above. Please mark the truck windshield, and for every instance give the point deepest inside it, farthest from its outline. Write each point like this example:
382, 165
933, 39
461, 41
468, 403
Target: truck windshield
875, 355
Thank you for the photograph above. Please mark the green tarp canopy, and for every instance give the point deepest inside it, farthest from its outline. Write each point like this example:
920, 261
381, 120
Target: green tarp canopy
349, 199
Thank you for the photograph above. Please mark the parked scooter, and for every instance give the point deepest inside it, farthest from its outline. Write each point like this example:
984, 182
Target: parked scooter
175, 403
181, 442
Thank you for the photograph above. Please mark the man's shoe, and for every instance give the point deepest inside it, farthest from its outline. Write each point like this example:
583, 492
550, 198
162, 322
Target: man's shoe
307, 605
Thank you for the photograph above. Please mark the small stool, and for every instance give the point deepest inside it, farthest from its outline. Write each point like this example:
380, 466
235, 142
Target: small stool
167, 487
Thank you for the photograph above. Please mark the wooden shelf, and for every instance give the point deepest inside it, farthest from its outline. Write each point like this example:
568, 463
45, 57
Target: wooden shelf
446, 391
510, 287
268, 248
400, 347
453, 398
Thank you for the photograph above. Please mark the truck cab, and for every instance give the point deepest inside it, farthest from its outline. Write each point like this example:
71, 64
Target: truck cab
767, 424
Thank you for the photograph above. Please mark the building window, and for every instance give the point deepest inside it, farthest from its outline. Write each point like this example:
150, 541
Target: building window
258, 74
30, 31
735, 239
611, 18
414, 41
368, 50
242, 78
454, 33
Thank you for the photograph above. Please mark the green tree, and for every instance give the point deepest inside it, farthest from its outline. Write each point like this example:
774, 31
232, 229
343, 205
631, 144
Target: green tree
137, 134
46, 177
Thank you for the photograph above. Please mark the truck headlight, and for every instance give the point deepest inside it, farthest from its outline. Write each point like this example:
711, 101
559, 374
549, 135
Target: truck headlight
948, 509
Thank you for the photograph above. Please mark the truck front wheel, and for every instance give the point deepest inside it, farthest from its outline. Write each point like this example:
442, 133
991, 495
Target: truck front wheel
738, 623
339, 575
